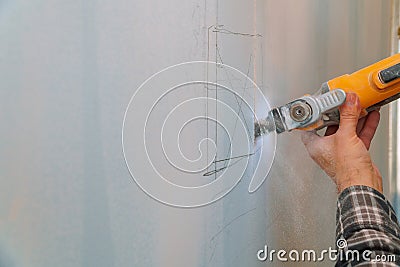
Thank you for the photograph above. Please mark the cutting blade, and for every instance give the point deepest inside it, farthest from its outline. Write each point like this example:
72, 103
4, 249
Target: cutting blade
264, 126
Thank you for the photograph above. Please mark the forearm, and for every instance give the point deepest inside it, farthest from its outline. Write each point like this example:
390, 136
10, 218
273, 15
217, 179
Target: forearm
367, 222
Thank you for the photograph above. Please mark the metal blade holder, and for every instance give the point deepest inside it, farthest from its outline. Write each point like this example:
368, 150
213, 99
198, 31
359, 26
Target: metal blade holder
309, 110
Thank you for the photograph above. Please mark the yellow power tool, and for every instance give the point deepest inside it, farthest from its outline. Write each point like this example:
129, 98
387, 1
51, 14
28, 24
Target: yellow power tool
375, 85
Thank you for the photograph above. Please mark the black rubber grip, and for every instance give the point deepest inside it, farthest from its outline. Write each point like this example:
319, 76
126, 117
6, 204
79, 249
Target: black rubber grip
390, 74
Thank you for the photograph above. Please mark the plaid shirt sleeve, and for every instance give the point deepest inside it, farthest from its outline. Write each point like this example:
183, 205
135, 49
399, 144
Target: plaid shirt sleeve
367, 223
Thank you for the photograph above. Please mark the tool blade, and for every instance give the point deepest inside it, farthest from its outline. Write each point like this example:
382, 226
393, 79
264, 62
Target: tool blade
264, 126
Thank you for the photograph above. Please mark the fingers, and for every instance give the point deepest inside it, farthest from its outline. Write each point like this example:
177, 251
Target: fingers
360, 124
369, 129
349, 114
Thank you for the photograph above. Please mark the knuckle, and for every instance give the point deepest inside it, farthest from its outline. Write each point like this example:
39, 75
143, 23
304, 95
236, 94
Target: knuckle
349, 116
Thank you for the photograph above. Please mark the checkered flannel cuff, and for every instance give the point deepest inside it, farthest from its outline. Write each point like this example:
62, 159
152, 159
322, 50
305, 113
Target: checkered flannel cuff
361, 207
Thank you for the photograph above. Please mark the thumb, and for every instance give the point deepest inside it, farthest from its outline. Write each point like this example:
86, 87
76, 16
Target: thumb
350, 113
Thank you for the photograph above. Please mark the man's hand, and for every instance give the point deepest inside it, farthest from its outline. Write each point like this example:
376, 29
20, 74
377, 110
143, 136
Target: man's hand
343, 152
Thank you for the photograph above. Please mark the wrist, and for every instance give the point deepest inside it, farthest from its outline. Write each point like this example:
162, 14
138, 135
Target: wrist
355, 177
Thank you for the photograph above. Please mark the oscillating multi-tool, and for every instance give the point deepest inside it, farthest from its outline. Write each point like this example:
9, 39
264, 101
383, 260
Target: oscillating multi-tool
375, 85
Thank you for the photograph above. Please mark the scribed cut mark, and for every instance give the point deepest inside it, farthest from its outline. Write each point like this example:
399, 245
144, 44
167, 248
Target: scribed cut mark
224, 227
221, 29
